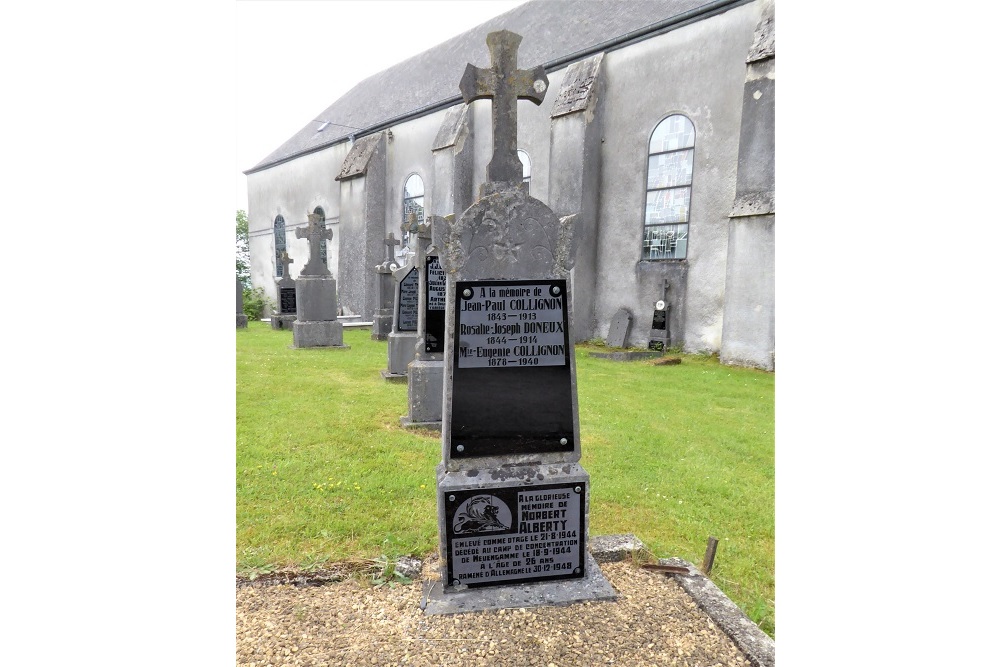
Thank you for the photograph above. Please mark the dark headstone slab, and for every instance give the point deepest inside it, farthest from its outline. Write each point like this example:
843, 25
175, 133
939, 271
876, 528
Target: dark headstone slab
287, 301
436, 296
515, 534
409, 296
620, 324
659, 335
512, 390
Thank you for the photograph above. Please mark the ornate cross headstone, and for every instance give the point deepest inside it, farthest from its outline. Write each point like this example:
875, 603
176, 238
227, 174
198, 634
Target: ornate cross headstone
287, 307
316, 231
505, 85
512, 497
390, 247
382, 322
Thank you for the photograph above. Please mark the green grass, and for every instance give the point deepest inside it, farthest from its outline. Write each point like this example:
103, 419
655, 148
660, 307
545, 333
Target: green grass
675, 454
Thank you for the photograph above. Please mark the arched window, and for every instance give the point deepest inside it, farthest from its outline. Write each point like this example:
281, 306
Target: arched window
322, 245
413, 202
525, 167
668, 189
279, 245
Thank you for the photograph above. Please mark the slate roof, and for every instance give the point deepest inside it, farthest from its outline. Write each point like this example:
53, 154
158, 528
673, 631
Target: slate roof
555, 32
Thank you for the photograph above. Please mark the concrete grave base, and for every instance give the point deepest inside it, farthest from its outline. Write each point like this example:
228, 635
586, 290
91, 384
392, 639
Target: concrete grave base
425, 391
381, 326
282, 321
241, 321
402, 350
318, 334
392, 377
406, 422
627, 355
593, 587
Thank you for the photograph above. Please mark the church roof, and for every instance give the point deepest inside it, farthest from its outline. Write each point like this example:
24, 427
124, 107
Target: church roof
555, 33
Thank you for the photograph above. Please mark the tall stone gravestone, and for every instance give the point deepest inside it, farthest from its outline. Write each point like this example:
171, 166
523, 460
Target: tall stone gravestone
241, 318
512, 496
426, 371
316, 322
618, 331
403, 336
382, 324
286, 297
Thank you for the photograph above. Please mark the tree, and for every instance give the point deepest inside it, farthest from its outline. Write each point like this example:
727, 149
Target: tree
243, 248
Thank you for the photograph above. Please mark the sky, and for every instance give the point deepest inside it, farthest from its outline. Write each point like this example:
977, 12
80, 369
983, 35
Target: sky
287, 56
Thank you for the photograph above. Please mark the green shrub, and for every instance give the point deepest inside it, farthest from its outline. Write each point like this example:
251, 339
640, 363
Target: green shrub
255, 301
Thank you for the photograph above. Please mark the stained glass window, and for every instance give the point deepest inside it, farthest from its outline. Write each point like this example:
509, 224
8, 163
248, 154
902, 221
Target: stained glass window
413, 202
322, 244
668, 189
279, 245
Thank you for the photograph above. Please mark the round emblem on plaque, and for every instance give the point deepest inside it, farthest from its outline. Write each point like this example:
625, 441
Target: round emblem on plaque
481, 514
660, 305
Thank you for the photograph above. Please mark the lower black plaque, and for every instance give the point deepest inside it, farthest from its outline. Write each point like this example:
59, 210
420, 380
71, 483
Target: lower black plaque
656, 345
287, 300
515, 534
511, 388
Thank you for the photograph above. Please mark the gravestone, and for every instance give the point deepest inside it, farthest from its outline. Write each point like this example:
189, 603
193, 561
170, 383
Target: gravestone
241, 318
382, 323
618, 332
426, 372
659, 333
286, 297
316, 322
513, 500
403, 336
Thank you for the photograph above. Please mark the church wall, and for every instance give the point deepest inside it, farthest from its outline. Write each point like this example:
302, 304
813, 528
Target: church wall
697, 70
292, 190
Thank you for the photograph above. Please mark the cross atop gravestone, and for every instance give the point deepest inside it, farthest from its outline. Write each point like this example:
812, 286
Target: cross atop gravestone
505, 84
316, 231
285, 261
390, 246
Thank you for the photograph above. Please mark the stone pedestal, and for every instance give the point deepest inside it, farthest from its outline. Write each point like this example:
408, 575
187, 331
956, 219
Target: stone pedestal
424, 387
403, 338
241, 321
282, 322
316, 322
382, 322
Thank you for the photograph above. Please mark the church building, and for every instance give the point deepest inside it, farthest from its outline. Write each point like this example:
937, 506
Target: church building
656, 130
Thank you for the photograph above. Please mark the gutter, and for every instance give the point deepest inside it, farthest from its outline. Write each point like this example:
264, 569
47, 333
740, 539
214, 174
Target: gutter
653, 30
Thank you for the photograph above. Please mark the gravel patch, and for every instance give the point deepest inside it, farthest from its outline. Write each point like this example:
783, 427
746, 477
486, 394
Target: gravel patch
653, 622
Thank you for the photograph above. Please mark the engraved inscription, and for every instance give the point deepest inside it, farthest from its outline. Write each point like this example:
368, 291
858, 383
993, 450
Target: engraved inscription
511, 325
543, 542
408, 300
435, 284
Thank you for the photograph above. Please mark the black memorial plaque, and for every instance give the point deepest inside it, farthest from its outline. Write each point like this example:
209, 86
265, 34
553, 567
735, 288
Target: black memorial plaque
515, 534
659, 324
434, 316
287, 300
409, 292
511, 391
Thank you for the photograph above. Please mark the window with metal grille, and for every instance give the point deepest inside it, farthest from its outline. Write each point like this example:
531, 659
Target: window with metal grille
668, 189
279, 245
413, 202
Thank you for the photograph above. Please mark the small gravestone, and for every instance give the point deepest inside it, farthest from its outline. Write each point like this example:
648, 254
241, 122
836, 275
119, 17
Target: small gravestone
426, 372
241, 318
659, 334
618, 332
382, 323
286, 297
316, 322
403, 336
513, 510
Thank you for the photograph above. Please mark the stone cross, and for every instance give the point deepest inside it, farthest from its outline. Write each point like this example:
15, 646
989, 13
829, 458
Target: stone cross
390, 244
315, 232
285, 261
505, 84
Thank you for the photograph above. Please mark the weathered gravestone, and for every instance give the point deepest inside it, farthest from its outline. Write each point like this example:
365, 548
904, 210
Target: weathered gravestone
618, 331
659, 333
316, 322
512, 496
403, 336
241, 318
382, 323
286, 297
426, 372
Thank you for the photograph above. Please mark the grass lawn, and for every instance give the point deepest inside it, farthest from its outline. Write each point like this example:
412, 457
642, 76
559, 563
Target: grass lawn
325, 473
